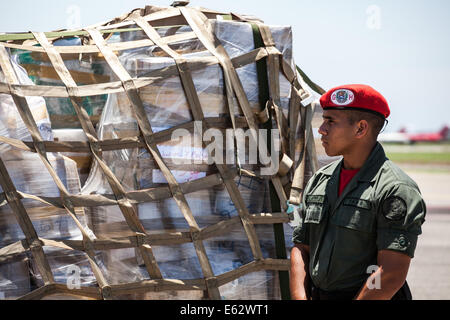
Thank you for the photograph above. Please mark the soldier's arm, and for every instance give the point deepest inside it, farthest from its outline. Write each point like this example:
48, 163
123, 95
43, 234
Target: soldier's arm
388, 279
400, 217
299, 273
300, 253
299, 267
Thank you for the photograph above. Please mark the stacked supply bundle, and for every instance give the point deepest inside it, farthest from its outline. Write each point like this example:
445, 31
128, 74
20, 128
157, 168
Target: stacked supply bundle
205, 136
167, 108
18, 273
85, 68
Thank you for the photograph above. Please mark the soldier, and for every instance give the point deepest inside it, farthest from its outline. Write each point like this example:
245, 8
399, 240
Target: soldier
359, 214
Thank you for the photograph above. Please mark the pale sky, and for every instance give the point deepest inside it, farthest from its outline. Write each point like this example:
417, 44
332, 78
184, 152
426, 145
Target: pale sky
400, 47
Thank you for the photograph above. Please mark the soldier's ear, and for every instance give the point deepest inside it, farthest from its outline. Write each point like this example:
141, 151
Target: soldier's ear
362, 129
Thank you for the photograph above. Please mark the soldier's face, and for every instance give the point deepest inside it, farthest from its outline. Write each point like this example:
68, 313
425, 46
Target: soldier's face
337, 133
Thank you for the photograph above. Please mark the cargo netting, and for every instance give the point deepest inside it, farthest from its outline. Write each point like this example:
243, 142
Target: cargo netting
99, 201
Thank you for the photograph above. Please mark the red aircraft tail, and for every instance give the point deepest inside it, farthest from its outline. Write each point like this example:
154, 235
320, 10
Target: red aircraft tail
444, 132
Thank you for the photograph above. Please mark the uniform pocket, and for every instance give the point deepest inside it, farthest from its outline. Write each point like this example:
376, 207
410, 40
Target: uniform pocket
314, 213
355, 218
315, 207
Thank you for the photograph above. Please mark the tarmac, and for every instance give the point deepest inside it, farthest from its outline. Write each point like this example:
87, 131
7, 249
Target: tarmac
428, 276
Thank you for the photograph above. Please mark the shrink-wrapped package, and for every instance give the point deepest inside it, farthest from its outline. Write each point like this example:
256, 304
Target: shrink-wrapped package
159, 216
85, 69
18, 273
166, 107
83, 160
11, 124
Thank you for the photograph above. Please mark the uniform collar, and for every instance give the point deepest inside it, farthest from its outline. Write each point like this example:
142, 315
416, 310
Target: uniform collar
372, 165
332, 167
368, 171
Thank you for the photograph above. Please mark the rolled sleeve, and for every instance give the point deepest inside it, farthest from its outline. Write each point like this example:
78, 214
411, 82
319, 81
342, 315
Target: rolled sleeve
397, 240
401, 215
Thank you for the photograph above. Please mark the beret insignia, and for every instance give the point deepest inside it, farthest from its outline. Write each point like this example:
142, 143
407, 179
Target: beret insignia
356, 97
342, 97
394, 208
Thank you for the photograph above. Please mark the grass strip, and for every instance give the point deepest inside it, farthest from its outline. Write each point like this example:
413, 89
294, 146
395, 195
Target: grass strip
420, 157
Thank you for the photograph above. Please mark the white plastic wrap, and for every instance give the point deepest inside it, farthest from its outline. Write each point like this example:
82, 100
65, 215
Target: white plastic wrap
18, 274
83, 160
166, 106
85, 69
11, 124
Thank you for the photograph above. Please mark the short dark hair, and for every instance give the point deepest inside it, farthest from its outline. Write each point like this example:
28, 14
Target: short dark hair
375, 122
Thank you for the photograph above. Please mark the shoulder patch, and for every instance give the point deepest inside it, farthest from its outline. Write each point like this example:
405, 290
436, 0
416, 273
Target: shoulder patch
394, 208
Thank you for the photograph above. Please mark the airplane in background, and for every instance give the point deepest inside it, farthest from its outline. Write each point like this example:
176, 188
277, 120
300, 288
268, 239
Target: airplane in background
408, 138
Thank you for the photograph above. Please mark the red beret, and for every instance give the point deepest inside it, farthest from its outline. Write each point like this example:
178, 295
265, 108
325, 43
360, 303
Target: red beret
356, 97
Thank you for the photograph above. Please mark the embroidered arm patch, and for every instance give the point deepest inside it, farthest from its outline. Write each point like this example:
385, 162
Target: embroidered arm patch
394, 208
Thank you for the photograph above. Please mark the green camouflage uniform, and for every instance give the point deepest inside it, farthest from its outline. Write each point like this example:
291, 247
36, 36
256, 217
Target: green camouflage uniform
381, 208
